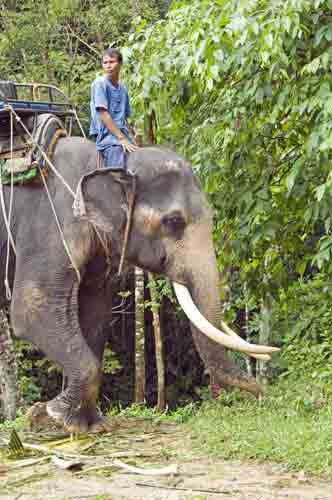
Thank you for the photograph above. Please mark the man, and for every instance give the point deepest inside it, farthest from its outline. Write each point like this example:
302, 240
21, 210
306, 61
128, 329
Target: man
110, 110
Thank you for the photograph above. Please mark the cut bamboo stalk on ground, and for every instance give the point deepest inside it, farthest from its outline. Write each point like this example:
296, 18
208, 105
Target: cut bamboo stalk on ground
48, 451
170, 470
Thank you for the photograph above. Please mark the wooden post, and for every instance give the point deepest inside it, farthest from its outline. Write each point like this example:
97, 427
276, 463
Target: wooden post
249, 360
139, 337
161, 404
264, 367
9, 392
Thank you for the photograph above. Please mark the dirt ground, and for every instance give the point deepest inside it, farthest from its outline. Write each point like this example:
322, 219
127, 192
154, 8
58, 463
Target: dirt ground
145, 445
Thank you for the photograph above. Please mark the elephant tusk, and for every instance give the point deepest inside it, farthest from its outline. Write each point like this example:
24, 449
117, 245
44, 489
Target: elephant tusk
202, 324
229, 331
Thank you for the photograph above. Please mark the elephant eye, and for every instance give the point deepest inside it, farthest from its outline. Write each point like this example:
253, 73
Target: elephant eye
174, 222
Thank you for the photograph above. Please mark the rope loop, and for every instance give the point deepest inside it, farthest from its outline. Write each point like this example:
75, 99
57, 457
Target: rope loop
7, 219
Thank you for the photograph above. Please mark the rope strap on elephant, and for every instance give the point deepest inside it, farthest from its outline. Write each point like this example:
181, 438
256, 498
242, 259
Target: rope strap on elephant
7, 219
40, 166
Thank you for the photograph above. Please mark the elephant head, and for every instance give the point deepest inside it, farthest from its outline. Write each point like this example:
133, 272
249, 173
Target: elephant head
172, 235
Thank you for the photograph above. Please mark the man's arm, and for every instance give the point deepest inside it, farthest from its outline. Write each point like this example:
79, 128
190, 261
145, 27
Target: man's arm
114, 130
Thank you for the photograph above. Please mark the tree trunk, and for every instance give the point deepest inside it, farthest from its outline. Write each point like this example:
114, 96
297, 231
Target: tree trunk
139, 337
161, 404
264, 367
250, 364
9, 392
151, 131
136, 7
11, 5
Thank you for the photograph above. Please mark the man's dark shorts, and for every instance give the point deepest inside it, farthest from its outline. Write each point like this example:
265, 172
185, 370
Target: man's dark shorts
114, 157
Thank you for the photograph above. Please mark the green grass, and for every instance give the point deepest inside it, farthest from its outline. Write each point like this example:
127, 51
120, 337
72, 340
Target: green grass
292, 425
137, 410
19, 423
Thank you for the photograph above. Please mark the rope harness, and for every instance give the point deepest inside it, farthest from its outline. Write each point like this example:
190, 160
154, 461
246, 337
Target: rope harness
7, 219
131, 198
78, 205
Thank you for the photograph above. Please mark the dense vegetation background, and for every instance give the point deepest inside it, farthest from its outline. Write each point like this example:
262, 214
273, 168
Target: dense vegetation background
242, 88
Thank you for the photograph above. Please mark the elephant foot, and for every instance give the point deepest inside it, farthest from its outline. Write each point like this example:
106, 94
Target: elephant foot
73, 420
98, 423
38, 420
101, 424
76, 420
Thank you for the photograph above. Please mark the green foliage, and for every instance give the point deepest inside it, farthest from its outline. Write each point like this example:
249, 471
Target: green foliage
32, 368
244, 93
110, 363
19, 423
161, 288
29, 390
304, 317
65, 48
243, 89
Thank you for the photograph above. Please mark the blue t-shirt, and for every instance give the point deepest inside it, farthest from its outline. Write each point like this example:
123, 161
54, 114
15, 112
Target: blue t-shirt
116, 101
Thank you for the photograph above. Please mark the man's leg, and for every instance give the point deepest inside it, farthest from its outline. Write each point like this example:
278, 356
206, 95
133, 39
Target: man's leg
115, 158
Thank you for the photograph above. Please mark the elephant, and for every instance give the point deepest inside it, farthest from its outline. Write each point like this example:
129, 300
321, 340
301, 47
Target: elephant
62, 304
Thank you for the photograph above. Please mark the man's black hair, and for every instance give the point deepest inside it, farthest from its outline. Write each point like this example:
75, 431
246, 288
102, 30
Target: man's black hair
112, 53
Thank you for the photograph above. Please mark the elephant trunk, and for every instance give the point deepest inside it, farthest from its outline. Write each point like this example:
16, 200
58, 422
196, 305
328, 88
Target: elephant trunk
204, 289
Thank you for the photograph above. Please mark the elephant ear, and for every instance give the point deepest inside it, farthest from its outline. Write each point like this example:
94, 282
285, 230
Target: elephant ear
79, 208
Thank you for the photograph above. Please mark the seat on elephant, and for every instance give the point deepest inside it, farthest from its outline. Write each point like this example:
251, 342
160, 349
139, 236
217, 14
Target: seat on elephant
38, 110
26, 156
7, 90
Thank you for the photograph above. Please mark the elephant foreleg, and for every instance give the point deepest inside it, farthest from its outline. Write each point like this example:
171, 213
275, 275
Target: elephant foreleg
45, 312
95, 314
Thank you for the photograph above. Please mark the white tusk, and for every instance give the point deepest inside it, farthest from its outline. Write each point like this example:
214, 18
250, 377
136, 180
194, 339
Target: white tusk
211, 331
227, 329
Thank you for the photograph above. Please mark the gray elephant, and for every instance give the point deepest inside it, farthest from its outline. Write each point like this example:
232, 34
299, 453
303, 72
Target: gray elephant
170, 235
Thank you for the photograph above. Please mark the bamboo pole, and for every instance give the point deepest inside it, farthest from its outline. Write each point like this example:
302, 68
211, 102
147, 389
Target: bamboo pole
9, 392
161, 404
139, 337
266, 310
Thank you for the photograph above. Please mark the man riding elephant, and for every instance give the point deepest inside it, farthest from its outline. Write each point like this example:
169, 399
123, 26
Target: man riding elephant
110, 110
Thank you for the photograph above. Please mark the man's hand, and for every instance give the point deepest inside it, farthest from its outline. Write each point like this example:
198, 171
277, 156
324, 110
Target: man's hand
113, 129
128, 146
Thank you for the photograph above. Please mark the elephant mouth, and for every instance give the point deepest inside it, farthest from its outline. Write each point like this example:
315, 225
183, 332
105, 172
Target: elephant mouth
226, 337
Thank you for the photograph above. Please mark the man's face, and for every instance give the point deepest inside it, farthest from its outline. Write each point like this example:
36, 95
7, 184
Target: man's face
111, 66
